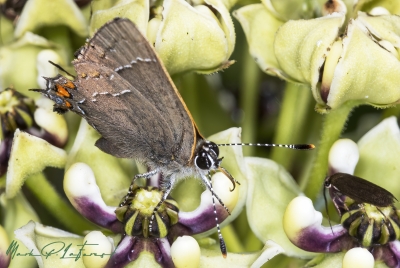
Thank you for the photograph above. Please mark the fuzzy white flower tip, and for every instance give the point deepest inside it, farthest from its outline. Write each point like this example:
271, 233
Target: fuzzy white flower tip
185, 252
98, 250
300, 214
79, 181
44, 68
343, 156
378, 11
222, 187
52, 122
358, 258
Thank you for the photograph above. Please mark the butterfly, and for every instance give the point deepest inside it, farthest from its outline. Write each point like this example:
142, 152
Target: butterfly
124, 92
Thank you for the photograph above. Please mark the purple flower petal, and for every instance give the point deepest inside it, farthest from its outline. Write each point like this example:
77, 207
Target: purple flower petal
5, 149
47, 136
389, 253
200, 220
130, 248
98, 213
124, 253
302, 225
321, 239
84, 194
4, 260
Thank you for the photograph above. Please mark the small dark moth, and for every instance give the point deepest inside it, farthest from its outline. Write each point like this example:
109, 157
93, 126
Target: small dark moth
359, 190
124, 92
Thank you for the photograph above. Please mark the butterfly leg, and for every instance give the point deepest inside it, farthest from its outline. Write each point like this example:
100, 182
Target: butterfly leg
143, 175
384, 220
326, 208
207, 182
231, 178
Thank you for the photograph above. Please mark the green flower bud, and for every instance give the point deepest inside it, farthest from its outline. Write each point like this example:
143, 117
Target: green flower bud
357, 64
41, 13
25, 56
205, 43
292, 9
253, 19
367, 66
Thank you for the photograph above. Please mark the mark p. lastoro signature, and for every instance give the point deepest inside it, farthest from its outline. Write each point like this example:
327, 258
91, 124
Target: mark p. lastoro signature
58, 248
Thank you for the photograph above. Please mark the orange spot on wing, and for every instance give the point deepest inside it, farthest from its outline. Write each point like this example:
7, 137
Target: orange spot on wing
69, 84
62, 92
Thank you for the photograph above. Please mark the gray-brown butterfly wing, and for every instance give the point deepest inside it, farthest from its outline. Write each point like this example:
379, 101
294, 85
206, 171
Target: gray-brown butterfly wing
130, 99
124, 124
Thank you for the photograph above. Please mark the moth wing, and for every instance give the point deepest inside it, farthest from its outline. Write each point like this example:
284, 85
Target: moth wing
363, 191
121, 47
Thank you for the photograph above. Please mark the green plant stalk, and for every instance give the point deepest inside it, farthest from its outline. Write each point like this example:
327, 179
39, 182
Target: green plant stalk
242, 230
188, 85
392, 111
242, 225
249, 100
60, 35
188, 88
252, 243
48, 196
332, 127
292, 121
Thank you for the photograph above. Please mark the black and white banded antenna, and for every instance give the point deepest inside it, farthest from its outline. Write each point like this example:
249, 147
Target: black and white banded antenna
222, 244
289, 146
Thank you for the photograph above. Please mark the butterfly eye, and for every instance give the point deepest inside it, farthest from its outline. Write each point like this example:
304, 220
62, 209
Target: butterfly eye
327, 184
203, 161
211, 146
214, 148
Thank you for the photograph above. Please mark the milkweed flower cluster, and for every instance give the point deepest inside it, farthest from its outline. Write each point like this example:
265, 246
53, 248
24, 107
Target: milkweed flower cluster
346, 53
375, 229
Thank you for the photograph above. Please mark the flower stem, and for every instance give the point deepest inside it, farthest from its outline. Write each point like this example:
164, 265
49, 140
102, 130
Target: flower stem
252, 243
61, 36
249, 100
291, 122
393, 111
48, 196
332, 127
